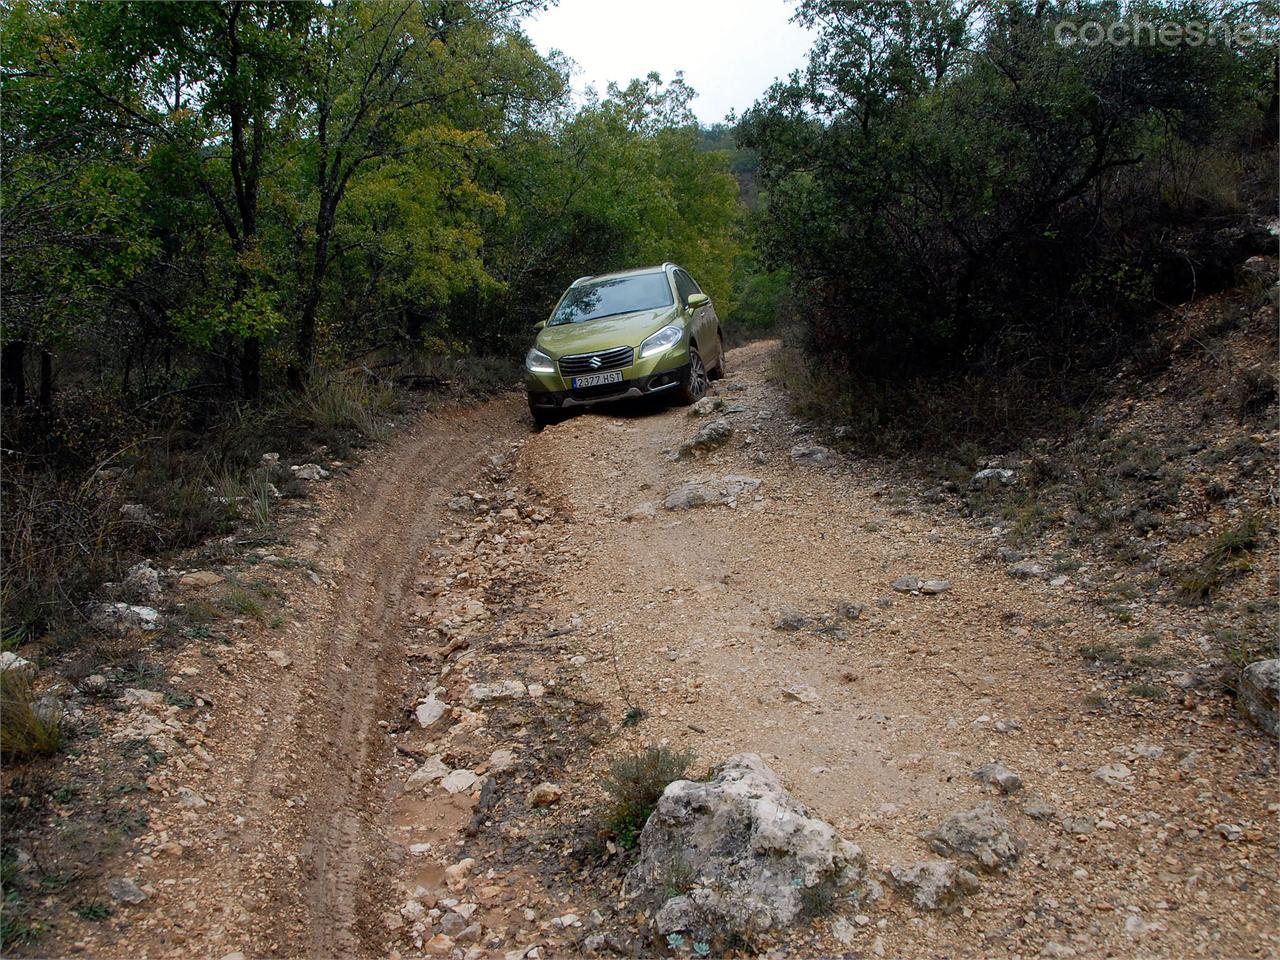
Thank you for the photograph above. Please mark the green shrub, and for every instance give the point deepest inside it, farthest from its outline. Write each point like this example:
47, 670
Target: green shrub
635, 784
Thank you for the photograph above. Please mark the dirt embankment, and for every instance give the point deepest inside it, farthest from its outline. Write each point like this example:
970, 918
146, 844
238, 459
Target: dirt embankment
413, 762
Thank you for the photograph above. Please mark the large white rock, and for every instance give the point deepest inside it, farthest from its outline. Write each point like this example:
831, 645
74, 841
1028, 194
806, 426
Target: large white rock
430, 712
123, 618
747, 852
11, 661
934, 884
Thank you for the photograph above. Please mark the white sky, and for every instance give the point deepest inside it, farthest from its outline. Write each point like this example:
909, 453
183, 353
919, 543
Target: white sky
730, 50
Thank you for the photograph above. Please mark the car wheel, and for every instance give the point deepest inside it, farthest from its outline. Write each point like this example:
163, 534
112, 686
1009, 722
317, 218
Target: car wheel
717, 372
694, 385
544, 416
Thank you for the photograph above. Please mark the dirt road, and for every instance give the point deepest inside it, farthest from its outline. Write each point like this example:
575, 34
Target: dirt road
540, 589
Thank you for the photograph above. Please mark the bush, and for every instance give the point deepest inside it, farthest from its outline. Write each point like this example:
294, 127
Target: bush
635, 784
334, 403
1224, 559
29, 726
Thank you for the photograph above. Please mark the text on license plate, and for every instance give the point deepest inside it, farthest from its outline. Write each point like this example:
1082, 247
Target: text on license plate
597, 379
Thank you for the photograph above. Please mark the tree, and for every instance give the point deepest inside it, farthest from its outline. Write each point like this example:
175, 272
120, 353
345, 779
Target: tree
951, 188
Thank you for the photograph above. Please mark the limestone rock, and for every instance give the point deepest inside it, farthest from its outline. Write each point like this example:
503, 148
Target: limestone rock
749, 850
999, 776
712, 435
935, 884
459, 781
545, 794
1113, 774
199, 579
137, 513
310, 471
812, 454
125, 890
137, 697
124, 618
991, 477
704, 493
11, 661
142, 582
502, 690
432, 770
1027, 570
980, 836
430, 712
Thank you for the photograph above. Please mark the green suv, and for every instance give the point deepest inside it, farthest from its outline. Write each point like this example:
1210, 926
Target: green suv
627, 334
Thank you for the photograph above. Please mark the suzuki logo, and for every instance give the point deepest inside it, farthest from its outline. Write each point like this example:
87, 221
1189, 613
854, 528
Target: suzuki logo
596, 363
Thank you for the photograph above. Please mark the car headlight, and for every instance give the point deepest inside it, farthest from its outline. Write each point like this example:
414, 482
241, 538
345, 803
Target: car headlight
539, 362
664, 339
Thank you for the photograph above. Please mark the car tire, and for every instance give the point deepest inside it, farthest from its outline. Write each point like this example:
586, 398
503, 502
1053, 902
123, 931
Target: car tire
544, 416
693, 386
718, 371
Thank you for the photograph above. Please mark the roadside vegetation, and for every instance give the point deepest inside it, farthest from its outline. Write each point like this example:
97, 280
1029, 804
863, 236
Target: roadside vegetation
979, 221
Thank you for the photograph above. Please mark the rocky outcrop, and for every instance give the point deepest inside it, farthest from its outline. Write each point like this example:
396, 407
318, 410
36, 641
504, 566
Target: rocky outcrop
1260, 694
745, 853
712, 435
979, 836
703, 493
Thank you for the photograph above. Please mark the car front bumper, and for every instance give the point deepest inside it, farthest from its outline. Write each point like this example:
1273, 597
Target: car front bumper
644, 377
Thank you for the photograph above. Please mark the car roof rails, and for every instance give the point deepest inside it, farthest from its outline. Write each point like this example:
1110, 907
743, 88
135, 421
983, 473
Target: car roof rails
580, 280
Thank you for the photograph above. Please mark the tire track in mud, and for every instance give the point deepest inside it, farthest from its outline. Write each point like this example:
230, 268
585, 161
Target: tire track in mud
351, 676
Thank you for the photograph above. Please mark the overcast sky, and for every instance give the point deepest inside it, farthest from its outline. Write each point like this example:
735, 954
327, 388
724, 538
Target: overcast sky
730, 50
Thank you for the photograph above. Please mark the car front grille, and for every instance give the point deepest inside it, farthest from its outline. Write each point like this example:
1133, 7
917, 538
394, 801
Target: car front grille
583, 363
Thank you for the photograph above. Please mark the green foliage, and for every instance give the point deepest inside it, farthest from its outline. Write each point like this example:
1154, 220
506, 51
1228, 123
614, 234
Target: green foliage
93, 910
635, 784
956, 194
261, 186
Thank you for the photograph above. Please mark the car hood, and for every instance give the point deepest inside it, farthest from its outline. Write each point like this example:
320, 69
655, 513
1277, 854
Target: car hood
627, 329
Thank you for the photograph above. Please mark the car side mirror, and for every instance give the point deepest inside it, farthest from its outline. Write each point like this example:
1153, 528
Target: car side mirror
540, 325
697, 300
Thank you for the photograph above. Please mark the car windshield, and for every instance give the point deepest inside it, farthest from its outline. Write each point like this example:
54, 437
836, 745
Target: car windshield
608, 298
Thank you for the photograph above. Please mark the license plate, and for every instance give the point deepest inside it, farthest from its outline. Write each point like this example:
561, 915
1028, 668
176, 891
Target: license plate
597, 379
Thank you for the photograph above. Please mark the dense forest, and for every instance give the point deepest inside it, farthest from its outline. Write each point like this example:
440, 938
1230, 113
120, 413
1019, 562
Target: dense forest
235, 226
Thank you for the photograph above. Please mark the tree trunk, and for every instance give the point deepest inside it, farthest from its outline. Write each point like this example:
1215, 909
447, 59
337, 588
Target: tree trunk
320, 262
251, 368
13, 374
